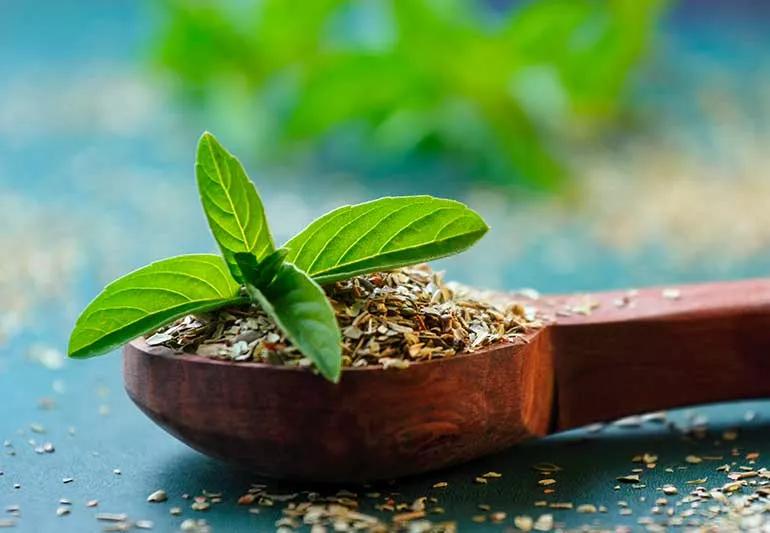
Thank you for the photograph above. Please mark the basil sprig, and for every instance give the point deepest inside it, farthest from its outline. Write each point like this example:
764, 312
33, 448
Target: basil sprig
286, 283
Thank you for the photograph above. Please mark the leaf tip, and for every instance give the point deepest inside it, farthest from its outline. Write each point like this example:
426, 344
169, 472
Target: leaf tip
72, 348
484, 227
331, 369
332, 375
75, 352
78, 348
206, 141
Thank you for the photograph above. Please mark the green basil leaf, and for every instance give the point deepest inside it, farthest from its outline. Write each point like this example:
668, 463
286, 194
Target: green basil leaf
301, 310
383, 234
232, 204
150, 297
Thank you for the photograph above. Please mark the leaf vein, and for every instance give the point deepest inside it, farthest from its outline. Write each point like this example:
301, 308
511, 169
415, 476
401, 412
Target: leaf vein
411, 224
226, 190
392, 213
332, 237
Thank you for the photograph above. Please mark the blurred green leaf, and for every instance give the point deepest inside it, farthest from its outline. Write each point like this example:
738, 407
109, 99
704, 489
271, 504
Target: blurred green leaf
495, 93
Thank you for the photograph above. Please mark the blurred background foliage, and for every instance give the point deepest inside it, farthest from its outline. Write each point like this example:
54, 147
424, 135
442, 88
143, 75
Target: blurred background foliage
494, 92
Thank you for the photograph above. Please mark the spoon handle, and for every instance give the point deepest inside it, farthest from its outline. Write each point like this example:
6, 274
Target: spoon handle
623, 353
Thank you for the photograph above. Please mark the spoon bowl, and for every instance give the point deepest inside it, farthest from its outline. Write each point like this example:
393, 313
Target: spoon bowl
287, 422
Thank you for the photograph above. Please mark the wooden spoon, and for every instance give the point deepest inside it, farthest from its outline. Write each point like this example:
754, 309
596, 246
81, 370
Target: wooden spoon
628, 355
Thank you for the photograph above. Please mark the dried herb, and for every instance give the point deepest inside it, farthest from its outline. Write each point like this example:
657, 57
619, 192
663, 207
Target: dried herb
388, 319
352, 240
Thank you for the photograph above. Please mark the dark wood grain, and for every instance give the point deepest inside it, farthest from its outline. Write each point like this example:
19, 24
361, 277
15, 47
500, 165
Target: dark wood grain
712, 344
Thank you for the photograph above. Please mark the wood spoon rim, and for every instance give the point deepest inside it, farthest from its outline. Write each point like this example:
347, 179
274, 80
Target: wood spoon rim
166, 352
